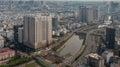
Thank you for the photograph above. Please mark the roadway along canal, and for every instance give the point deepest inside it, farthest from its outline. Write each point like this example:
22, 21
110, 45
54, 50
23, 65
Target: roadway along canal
72, 46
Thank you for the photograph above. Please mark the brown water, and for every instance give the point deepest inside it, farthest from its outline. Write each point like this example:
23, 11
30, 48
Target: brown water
72, 46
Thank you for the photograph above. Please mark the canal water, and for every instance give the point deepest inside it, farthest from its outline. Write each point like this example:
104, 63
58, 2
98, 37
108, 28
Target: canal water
72, 46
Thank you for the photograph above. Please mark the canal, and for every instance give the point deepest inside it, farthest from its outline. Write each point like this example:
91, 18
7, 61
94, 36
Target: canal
72, 46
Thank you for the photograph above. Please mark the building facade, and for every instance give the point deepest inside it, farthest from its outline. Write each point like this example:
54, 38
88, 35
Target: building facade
16, 28
86, 14
37, 30
54, 23
20, 35
95, 60
1, 42
110, 38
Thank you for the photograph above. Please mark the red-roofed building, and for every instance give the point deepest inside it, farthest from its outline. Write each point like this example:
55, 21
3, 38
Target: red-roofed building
6, 54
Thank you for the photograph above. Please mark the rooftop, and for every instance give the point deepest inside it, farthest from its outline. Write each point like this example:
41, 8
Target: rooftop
94, 55
4, 51
1, 38
108, 51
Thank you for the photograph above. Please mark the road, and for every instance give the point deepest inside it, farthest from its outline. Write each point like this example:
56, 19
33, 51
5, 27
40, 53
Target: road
83, 28
89, 42
91, 47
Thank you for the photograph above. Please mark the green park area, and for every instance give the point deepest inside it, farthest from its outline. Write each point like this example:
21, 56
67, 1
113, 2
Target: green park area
16, 61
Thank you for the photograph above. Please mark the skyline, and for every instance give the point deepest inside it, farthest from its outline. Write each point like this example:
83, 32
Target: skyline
59, 33
60, 0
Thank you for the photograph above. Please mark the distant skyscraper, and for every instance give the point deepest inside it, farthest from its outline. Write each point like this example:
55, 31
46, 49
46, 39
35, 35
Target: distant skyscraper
37, 30
44, 5
86, 14
96, 13
110, 38
113, 6
54, 23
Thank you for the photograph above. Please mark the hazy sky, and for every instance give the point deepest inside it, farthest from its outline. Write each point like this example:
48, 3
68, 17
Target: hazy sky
83, 0
65, 0
79, 0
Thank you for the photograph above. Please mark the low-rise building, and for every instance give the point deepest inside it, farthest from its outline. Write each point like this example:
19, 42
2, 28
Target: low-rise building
95, 60
107, 55
6, 54
1, 42
115, 61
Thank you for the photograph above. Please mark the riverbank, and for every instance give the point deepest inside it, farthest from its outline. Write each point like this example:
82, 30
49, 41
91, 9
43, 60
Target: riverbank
29, 64
83, 48
61, 45
80, 52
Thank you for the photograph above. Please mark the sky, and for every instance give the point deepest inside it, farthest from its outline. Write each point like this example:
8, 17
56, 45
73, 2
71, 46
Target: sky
83, 0
80, 0
65, 0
